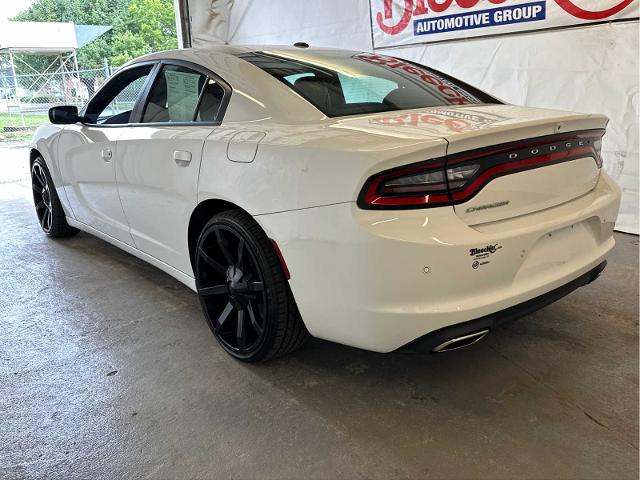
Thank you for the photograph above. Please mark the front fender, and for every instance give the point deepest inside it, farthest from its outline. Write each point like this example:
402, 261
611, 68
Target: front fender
45, 142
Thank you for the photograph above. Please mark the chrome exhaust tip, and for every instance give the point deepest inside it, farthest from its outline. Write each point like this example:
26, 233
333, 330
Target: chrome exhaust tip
461, 342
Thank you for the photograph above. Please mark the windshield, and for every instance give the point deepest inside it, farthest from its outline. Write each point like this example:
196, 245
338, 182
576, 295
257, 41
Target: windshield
341, 85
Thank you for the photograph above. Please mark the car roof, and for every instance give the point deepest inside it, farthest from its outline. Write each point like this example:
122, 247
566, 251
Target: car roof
239, 49
274, 99
259, 94
214, 55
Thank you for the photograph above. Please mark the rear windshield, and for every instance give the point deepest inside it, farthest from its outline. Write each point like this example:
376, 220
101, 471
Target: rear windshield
366, 83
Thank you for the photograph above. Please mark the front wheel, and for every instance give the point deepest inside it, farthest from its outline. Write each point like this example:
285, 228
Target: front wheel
51, 216
243, 290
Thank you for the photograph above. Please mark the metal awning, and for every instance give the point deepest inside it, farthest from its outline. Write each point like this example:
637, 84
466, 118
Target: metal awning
46, 37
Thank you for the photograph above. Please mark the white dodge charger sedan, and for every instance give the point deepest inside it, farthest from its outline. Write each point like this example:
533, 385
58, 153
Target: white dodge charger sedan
356, 197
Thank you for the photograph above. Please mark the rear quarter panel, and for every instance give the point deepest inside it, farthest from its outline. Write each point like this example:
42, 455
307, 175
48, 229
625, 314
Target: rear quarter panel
303, 166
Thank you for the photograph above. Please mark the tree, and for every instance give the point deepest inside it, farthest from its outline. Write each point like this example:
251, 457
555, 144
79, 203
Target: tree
82, 12
139, 26
149, 26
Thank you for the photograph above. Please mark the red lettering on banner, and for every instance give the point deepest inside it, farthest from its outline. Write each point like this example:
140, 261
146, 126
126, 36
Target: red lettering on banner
388, 13
388, 9
422, 8
578, 12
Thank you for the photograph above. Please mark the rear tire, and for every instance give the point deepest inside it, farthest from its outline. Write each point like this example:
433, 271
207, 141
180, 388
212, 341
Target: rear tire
243, 291
49, 211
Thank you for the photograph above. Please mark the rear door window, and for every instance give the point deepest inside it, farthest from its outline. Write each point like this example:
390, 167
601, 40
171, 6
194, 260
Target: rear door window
180, 94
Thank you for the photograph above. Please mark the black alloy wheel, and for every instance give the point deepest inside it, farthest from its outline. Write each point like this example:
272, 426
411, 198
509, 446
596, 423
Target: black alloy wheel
243, 291
49, 210
233, 289
42, 197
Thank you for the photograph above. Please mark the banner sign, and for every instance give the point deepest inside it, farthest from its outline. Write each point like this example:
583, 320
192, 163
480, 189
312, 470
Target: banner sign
407, 22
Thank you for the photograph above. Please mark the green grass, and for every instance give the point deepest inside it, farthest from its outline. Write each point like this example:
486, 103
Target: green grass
14, 120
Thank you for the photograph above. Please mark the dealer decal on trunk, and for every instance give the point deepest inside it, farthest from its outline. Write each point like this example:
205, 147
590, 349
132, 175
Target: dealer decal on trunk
482, 256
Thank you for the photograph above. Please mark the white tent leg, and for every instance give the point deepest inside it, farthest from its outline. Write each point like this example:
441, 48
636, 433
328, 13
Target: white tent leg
15, 87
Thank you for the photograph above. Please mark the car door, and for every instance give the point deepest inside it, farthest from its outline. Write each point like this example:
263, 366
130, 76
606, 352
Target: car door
159, 158
88, 153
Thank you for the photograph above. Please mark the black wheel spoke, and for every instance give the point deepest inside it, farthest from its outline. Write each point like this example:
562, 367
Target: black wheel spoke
250, 288
40, 205
263, 310
254, 321
215, 290
255, 286
224, 315
46, 219
224, 247
39, 176
240, 251
241, 335
212, 263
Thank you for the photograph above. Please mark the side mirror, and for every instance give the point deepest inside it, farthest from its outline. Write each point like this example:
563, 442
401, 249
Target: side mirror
64, 115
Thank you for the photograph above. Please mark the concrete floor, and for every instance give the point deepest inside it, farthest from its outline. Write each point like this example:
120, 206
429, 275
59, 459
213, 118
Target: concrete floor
107, 370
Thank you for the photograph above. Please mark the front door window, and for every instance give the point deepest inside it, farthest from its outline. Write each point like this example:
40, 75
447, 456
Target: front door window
113, 105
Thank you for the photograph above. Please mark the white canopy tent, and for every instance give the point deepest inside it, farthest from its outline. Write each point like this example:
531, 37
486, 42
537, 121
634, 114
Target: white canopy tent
56, 41
592, 68
38, 37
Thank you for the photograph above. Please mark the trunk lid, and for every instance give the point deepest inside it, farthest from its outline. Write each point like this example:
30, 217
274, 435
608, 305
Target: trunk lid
502, 161
531, 160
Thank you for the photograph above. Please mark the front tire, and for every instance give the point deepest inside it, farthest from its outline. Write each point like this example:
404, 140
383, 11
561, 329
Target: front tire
49, 211
243, 290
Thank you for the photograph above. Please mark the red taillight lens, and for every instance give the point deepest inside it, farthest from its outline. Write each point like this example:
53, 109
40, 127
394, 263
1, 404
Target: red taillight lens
459, 177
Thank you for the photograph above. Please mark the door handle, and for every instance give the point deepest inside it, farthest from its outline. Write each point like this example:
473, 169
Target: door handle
182, 158
106, 155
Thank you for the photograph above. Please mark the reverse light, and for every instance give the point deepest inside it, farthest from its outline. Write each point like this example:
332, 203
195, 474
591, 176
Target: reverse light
421, 183
458, 176
430, 182
597, 146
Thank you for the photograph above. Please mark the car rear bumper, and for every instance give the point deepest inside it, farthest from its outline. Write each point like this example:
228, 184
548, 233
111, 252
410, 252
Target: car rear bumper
379, 280
444, 339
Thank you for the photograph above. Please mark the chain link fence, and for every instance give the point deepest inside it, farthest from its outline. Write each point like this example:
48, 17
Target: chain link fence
25, 99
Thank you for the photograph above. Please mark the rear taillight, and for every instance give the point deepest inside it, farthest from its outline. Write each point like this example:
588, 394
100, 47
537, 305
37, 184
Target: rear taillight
413, 186
459, 177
